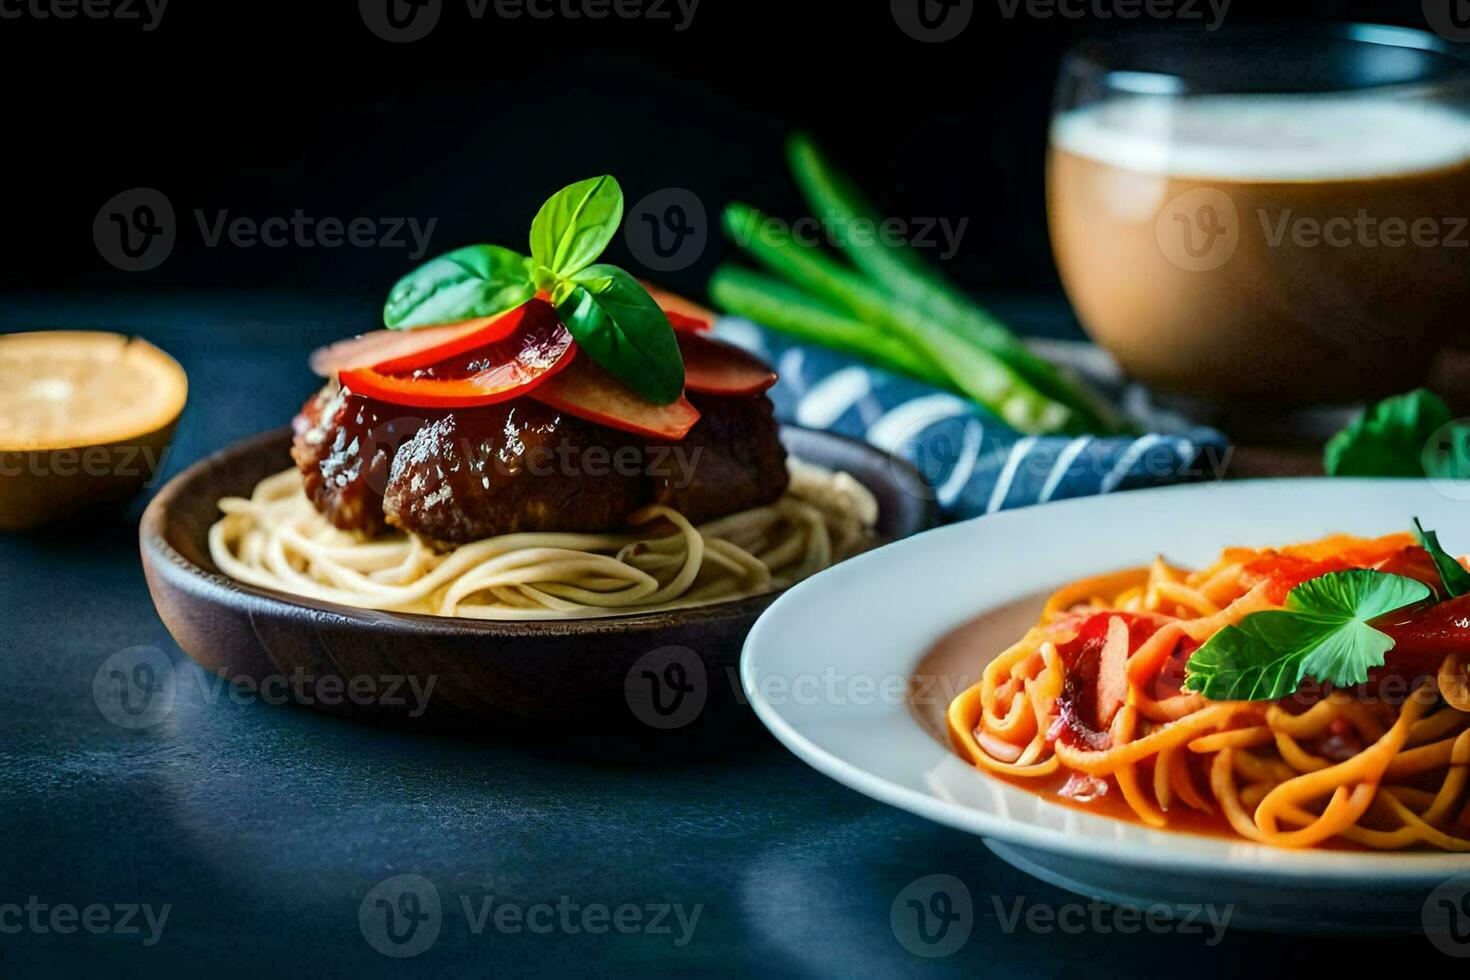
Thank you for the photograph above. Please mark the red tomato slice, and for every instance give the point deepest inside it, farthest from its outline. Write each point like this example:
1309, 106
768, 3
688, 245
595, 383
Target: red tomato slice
397, 351
1425, 634
485, 375
686, 323
718, 368
589, 392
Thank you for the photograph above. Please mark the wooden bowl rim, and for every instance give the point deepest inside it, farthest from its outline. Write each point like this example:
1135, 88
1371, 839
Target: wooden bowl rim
216, 588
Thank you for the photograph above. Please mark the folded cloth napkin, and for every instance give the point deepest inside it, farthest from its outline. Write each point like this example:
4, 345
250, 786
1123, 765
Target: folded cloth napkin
973, 463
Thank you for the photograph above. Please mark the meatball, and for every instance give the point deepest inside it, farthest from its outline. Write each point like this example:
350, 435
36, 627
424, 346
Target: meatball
517, 466
732, 460
459, 475
344, 446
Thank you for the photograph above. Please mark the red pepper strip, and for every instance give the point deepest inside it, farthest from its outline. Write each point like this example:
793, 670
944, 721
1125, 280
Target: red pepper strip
717, 368
685, 323
589, 392
492, 373
398, 351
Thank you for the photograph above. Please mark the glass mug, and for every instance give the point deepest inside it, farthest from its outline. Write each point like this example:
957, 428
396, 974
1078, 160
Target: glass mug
1265, 217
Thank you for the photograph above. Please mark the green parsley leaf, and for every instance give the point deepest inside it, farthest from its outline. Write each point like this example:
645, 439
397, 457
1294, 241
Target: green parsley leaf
1456, 580
470, 282
573, 227
1322, 632
1392, 438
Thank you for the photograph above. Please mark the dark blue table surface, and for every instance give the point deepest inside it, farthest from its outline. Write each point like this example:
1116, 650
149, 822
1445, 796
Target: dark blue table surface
262, 828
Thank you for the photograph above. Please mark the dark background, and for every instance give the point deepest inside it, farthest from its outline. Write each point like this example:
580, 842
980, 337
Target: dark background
265, 827
261, 110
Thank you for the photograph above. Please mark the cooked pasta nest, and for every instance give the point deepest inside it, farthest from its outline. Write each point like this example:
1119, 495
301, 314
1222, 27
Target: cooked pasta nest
276, 539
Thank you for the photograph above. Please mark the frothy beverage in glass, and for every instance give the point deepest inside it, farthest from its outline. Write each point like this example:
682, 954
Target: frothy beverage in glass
1266, 247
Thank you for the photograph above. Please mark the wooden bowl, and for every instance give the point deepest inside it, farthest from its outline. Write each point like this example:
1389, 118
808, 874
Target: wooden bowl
653, 671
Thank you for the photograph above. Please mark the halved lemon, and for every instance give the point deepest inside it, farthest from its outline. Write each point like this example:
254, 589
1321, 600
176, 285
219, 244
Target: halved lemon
85, 418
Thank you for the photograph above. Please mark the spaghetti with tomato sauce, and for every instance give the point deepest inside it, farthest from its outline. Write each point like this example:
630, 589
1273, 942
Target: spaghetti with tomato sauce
1092, 708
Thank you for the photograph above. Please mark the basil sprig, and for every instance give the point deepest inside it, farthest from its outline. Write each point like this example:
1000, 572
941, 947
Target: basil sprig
1322, 632
606, 309
1456, 580
470, 282
610, 315
571, 230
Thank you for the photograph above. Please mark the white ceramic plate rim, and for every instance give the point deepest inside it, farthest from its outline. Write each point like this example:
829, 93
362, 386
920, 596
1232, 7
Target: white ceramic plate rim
1165, 850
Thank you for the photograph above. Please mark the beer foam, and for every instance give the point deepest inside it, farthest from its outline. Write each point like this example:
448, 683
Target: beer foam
1267, 137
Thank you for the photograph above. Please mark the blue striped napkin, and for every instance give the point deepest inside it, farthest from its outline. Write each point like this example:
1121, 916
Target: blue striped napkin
972, 461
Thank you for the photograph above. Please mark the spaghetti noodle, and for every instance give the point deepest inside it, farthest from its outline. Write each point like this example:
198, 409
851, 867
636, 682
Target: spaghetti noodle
276, 539
1090, 703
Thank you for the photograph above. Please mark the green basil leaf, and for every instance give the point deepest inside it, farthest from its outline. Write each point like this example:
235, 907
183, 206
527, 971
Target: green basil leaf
1390, 438
574, 226
1261, 658
1359, 593
1323, 632
470, 282
618, 325
1456, 580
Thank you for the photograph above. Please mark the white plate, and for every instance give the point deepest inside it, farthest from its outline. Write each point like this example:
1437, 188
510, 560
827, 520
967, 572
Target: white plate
824, 668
